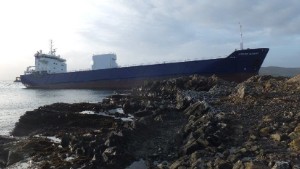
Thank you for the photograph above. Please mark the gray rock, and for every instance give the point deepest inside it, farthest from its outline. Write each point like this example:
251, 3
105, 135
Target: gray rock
221, 90
238, 165
297, 166
295, 79
199, 164
14, 157
281, 165
115, 139
225, 165
256, 165
65, 140
3, 157
178, 163
191, 147
248, 89
197, 108
143, 113
109, 154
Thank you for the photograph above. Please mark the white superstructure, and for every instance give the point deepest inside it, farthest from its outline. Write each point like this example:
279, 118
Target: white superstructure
104, 61
48, 63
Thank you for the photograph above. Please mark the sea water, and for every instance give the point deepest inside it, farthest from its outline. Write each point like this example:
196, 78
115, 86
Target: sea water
15, 100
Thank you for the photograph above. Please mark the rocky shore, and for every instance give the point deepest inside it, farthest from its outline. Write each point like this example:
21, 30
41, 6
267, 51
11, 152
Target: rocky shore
189, 122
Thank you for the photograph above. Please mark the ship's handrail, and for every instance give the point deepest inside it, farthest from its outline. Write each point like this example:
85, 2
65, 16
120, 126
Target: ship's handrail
29, 70
171, 61
79, 70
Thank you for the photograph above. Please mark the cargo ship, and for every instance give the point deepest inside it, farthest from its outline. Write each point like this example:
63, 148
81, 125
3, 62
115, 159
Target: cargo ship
50, 70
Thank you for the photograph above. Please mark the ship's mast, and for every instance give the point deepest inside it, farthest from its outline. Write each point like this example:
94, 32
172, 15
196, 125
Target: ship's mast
51, 45
52, 51
241, 43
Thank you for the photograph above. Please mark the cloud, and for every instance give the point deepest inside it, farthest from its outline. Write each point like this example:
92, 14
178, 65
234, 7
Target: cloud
150, 31
156, 28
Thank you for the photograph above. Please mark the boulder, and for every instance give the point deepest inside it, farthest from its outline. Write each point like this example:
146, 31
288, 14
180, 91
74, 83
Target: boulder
3, 157
265, 131
238, 165
191, 147
14, 157
281, 165
276, 137
109, 155
295, 139
295, 144
179, 163
256, 165
295, 79
197, 108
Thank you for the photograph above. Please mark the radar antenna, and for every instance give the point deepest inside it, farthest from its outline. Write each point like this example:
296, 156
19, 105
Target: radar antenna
241, 43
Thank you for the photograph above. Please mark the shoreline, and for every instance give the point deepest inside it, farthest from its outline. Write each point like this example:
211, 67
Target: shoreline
183, 122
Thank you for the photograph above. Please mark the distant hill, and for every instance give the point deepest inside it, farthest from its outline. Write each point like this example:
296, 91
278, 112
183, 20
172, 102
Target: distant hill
279, 71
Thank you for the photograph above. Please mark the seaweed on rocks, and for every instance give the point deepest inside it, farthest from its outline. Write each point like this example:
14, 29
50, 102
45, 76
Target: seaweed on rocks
184, 122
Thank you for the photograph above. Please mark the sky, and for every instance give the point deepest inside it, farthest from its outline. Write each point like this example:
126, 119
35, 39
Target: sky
145, 32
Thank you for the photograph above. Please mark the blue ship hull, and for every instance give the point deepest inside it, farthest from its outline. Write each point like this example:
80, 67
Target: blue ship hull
238, 66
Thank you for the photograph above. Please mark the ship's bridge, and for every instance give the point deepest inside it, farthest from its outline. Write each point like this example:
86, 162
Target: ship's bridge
47, 63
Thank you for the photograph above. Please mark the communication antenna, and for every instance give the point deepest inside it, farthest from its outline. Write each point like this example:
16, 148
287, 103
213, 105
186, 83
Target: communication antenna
241, 43
52, 51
